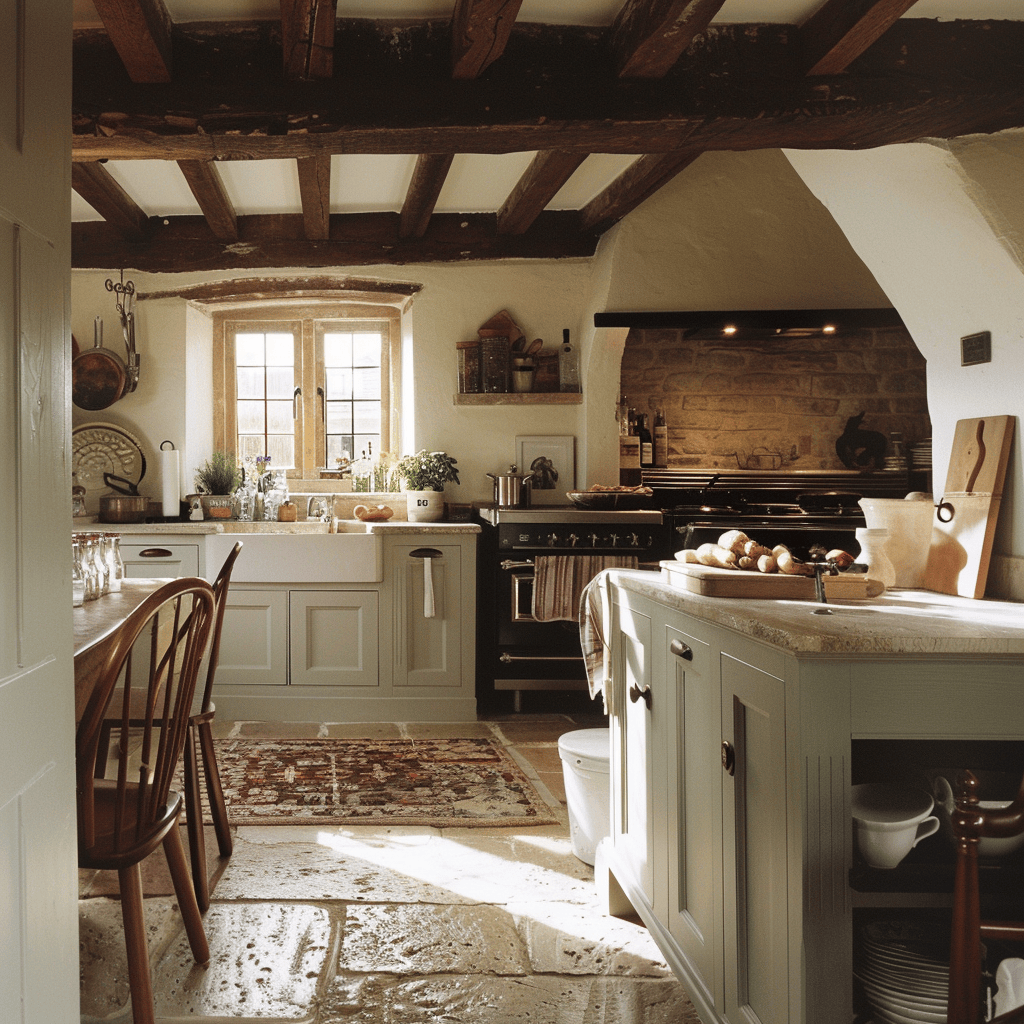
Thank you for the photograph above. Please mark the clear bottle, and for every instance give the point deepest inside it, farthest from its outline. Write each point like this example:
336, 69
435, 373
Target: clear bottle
568, 365
78, 581
100, 561
92, 578
115, 564
622, 415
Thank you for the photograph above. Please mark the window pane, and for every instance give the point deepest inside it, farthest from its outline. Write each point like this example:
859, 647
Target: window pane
366, 349
280, 382
366, 383
338, 446
251, 418
339, 417
280, 349
366, 416
337, 348
279, 417
281, 449
338, 383
250, 445
250, 382
249, 350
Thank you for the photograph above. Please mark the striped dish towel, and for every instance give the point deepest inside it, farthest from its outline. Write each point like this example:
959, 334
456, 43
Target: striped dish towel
559, 581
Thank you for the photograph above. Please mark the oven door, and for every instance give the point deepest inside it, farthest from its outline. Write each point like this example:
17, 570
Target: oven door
532, 655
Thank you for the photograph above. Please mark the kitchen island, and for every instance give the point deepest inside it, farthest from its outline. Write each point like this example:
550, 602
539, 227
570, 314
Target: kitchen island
372, 622
738, 727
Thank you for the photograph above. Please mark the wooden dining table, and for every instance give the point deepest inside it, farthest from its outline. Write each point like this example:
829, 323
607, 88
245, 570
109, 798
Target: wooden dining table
95, 624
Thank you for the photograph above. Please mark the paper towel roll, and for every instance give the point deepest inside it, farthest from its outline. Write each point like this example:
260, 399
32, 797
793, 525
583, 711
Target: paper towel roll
170, 475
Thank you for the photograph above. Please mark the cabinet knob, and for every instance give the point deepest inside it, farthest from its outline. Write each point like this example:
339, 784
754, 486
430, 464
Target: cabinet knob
681, 650
728, 758
635, 694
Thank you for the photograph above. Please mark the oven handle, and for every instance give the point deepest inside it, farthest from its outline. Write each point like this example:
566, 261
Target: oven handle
508, 659
509, 564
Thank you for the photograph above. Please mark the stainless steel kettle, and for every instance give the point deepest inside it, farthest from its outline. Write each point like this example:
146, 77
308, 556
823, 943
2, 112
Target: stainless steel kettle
511, 489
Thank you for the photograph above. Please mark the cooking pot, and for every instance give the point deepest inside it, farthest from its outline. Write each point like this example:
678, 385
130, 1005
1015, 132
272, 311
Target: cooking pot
123, 508
511, 489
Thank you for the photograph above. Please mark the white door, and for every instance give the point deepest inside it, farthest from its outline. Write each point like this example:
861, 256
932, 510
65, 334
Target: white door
38, 876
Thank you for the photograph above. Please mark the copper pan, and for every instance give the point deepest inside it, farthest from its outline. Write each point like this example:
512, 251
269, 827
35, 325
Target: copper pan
98, 375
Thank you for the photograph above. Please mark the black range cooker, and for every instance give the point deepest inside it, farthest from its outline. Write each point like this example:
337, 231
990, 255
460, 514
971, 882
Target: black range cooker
516, 653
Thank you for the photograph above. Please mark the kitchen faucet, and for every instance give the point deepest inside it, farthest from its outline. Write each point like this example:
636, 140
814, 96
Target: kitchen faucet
315, 501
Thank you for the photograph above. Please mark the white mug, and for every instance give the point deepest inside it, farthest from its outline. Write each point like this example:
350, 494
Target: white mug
889, 821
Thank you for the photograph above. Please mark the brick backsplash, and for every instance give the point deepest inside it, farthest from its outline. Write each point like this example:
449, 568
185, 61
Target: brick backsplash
726, 400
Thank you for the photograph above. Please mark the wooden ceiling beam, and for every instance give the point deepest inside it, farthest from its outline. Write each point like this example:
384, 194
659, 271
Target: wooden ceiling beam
355, 240
307, 38
841, 30
920, 80
636, 183
427, 181
649, 36
93, 182
208, 188
315, 192
547, 173
141, 33
480, 31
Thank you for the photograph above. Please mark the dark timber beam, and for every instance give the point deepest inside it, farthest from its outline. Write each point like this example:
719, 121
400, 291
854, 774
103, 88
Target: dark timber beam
538, 186
745, 89
208, 188
141, 33
355, 240
307, 38
480, 32
427, 181
649, 36
95, 185
315, 192
635, 184
841, 30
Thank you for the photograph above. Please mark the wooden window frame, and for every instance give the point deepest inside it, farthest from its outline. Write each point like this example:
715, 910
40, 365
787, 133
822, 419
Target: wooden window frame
309, 436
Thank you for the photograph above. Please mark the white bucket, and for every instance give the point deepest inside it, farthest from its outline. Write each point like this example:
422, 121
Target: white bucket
585, 756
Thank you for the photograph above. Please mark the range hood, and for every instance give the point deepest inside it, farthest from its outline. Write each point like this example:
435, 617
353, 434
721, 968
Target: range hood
753, 323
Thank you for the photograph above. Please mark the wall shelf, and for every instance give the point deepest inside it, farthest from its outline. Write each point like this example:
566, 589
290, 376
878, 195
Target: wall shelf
528, 398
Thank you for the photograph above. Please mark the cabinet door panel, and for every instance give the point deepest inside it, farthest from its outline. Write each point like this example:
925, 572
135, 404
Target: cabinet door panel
427, 650
334, 638
254, 639
632, 735
694, 804
756, 927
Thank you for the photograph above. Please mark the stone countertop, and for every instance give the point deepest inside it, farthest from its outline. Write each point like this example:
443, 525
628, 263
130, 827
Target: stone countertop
208, 526
904, 622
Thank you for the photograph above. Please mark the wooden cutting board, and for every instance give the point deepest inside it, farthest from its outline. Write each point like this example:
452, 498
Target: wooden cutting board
961, 549
712, 582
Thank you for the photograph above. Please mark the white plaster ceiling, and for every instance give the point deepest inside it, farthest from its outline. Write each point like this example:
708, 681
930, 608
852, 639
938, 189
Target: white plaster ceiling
476, 183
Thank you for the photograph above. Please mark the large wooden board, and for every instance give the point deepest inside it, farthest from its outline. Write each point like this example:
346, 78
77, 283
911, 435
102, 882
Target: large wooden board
711, 582
961, 549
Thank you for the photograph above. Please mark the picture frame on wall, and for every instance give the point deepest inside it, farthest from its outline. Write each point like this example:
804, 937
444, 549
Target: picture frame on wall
551, 461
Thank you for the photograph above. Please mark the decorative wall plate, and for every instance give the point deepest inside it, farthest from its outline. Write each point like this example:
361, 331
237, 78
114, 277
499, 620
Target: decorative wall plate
98, 448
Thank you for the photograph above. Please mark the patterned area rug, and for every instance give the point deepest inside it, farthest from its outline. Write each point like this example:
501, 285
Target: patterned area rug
439, 782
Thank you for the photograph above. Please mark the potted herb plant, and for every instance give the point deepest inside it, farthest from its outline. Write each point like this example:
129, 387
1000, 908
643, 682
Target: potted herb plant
425, 475
216, 481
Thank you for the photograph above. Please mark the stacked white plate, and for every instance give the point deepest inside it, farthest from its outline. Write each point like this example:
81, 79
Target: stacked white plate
904, 972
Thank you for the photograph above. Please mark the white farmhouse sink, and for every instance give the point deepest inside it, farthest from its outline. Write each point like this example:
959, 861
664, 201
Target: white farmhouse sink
299, 557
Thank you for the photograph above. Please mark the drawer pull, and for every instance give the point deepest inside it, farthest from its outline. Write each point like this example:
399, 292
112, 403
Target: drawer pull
635, 694
155, 553
681, 650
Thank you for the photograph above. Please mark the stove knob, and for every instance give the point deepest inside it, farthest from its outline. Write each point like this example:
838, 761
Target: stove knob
634, 540
593, 538
572, 538
553, 539
613, 540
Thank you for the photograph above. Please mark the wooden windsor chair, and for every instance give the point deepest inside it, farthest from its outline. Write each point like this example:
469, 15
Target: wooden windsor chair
152, 661
970, 823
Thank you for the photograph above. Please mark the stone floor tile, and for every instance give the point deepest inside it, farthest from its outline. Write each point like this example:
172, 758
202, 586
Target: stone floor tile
639, 1001
566, 938
406, 939
540, 730
450, 730
277, 730
266, 961
363, 730
103, 957
468, 999
543, 757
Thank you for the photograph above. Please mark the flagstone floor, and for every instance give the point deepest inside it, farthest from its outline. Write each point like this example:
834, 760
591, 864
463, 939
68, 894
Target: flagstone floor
372, 925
